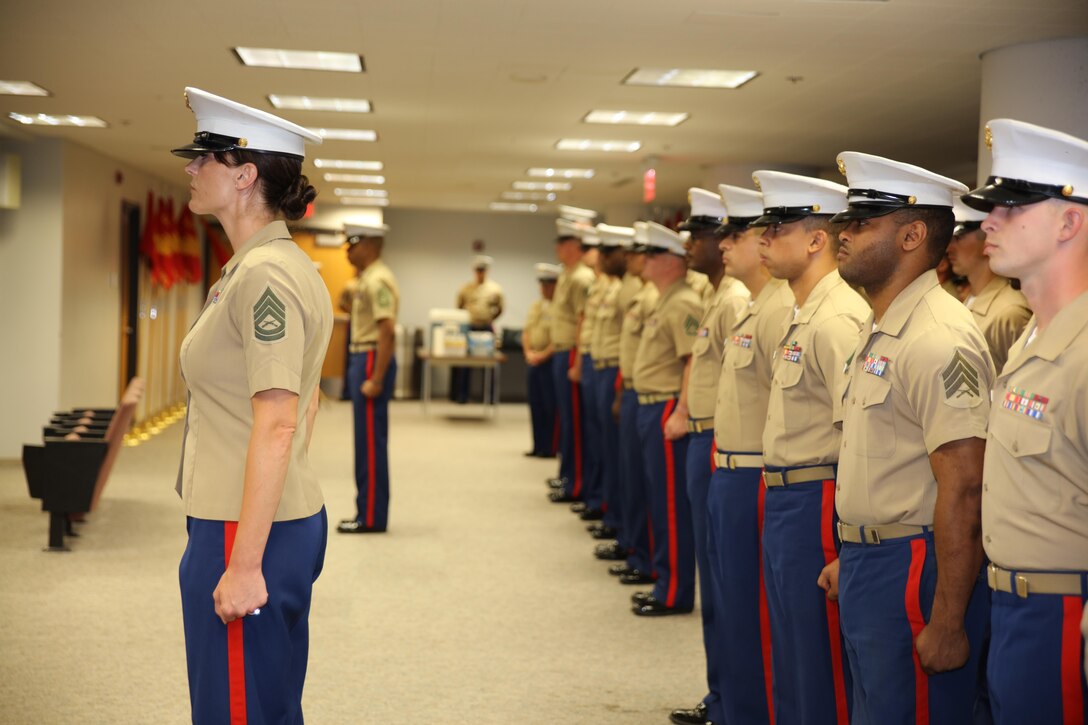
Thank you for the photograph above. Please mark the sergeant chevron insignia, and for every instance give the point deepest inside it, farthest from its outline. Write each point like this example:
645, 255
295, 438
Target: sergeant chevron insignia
960, 380
691, 325
269, 318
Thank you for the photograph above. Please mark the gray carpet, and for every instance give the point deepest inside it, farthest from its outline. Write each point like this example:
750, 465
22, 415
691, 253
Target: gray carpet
482, 604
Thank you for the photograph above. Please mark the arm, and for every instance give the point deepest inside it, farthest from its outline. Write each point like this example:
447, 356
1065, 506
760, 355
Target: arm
345, 298
574, 374
372, 386
957, 522
311, 415
676, 427
241, 589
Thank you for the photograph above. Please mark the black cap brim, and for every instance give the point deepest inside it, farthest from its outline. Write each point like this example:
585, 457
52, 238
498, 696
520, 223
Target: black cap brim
697, 223
864, 211
768, 219
987, 197
196, 150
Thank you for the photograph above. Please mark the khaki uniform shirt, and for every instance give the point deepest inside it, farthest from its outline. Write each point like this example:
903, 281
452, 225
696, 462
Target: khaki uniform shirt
266, 325
667, 338
706, 354
701, 284
918, 381
605, 345
634, 319
376, 298
538, 326
568, 305
1001, 313
483, 302
1035, 491
808, 375
596, 293
744, 385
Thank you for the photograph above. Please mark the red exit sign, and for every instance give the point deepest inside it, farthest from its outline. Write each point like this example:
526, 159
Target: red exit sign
649, 186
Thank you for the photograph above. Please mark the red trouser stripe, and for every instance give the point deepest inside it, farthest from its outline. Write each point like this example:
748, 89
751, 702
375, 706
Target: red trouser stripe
576, 418
1072, 646
371, 474
670, 501
827, 535
764, 612
713, 450
917, 623
236, 654
619, 383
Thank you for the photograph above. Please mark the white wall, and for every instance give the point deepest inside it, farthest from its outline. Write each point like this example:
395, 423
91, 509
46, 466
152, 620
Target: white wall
30, 296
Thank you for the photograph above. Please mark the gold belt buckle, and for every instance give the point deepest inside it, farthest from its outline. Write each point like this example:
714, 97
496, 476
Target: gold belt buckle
871, 534
1021, 586
731, 461
991, 576
839, 529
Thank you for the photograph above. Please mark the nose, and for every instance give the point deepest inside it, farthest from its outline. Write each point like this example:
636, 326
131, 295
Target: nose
989, 224
191, 167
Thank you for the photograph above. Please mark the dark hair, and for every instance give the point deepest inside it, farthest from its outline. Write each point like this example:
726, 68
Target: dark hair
939, 221
822, 222
283, 186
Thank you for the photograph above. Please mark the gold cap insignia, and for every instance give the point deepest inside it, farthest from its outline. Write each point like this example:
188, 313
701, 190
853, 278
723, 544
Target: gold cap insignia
755, 180
185, 94
815, 207
988, 137
998, 181
842, 166
912, 200
243, 142
1067, 190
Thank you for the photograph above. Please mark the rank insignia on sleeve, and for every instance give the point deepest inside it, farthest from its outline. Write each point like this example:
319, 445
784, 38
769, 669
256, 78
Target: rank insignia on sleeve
744, 341
384, 298
877, 365
1021, 401
691, 325
269, 317
960, 378
792, 352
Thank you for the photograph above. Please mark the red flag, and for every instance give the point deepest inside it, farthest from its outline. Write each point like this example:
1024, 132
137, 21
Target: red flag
190, 246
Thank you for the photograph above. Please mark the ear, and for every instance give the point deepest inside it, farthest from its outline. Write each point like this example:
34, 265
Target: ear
245, 176
819, 240
913, 235
1072, 220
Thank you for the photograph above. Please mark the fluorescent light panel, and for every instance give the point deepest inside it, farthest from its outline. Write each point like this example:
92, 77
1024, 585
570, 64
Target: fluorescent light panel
542, 186
300, 59
528, 196
636, 118
45, 119
347, 164
355, 178
507, 206
364, 201
586, 144
372, 193
346, 134
310, 103
21, 88
689, 77
562, 173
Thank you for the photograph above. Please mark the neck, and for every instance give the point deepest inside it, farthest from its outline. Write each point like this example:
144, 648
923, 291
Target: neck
667, 279
881, 299
1052, 289
716, 276
756, 280
240, 227
803, 284
979, 277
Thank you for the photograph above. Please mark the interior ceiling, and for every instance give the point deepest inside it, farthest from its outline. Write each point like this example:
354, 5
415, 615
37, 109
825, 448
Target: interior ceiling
468, 94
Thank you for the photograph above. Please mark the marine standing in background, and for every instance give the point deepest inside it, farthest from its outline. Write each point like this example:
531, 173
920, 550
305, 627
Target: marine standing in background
372, 371
482, 299
908, 580
1000, 311
801, 446
536, 343
583, 375
1034, 516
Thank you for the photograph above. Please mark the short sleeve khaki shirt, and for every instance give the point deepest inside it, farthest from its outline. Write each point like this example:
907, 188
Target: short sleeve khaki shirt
538, 325
376, 298
919, 380
482, 301
808, 375
605, 345
568, 305
1035, 491
706, 352
594, 296
266, 325
634, 319
1001, 313
667, 338
744, 385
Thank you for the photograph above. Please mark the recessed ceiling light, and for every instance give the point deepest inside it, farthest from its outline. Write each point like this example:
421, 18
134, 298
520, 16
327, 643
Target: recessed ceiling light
300, 59
374, 193
637, 118
586, 144
364, 201
505, 206
346, 134
309, 103
542, 186
689, 77
348, 164
355, 178
562, 173
21, 88
528, 196
45, 119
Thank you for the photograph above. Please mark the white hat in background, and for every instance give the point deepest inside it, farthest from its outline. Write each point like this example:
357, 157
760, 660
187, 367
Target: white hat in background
583, 216
358, 232
547, 272
642, 235
742, 206
613, 236
568, 229
707, 210
790, 197
1031, 164
880, 186
590, 237
967, 219
224, 125
482, 261
662, 239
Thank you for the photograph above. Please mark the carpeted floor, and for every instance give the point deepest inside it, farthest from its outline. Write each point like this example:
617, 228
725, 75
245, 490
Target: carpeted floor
483, 603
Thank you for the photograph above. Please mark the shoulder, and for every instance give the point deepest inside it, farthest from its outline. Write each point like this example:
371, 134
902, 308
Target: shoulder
844, 301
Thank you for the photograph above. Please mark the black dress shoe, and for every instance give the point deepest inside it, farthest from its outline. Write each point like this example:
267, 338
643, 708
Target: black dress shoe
578, 507
589, 514
531, 454
351, 526
616, 554
561, 497
640, 598
555, 482
694, 716
636, 577
619, 569
655, 608
603, 532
